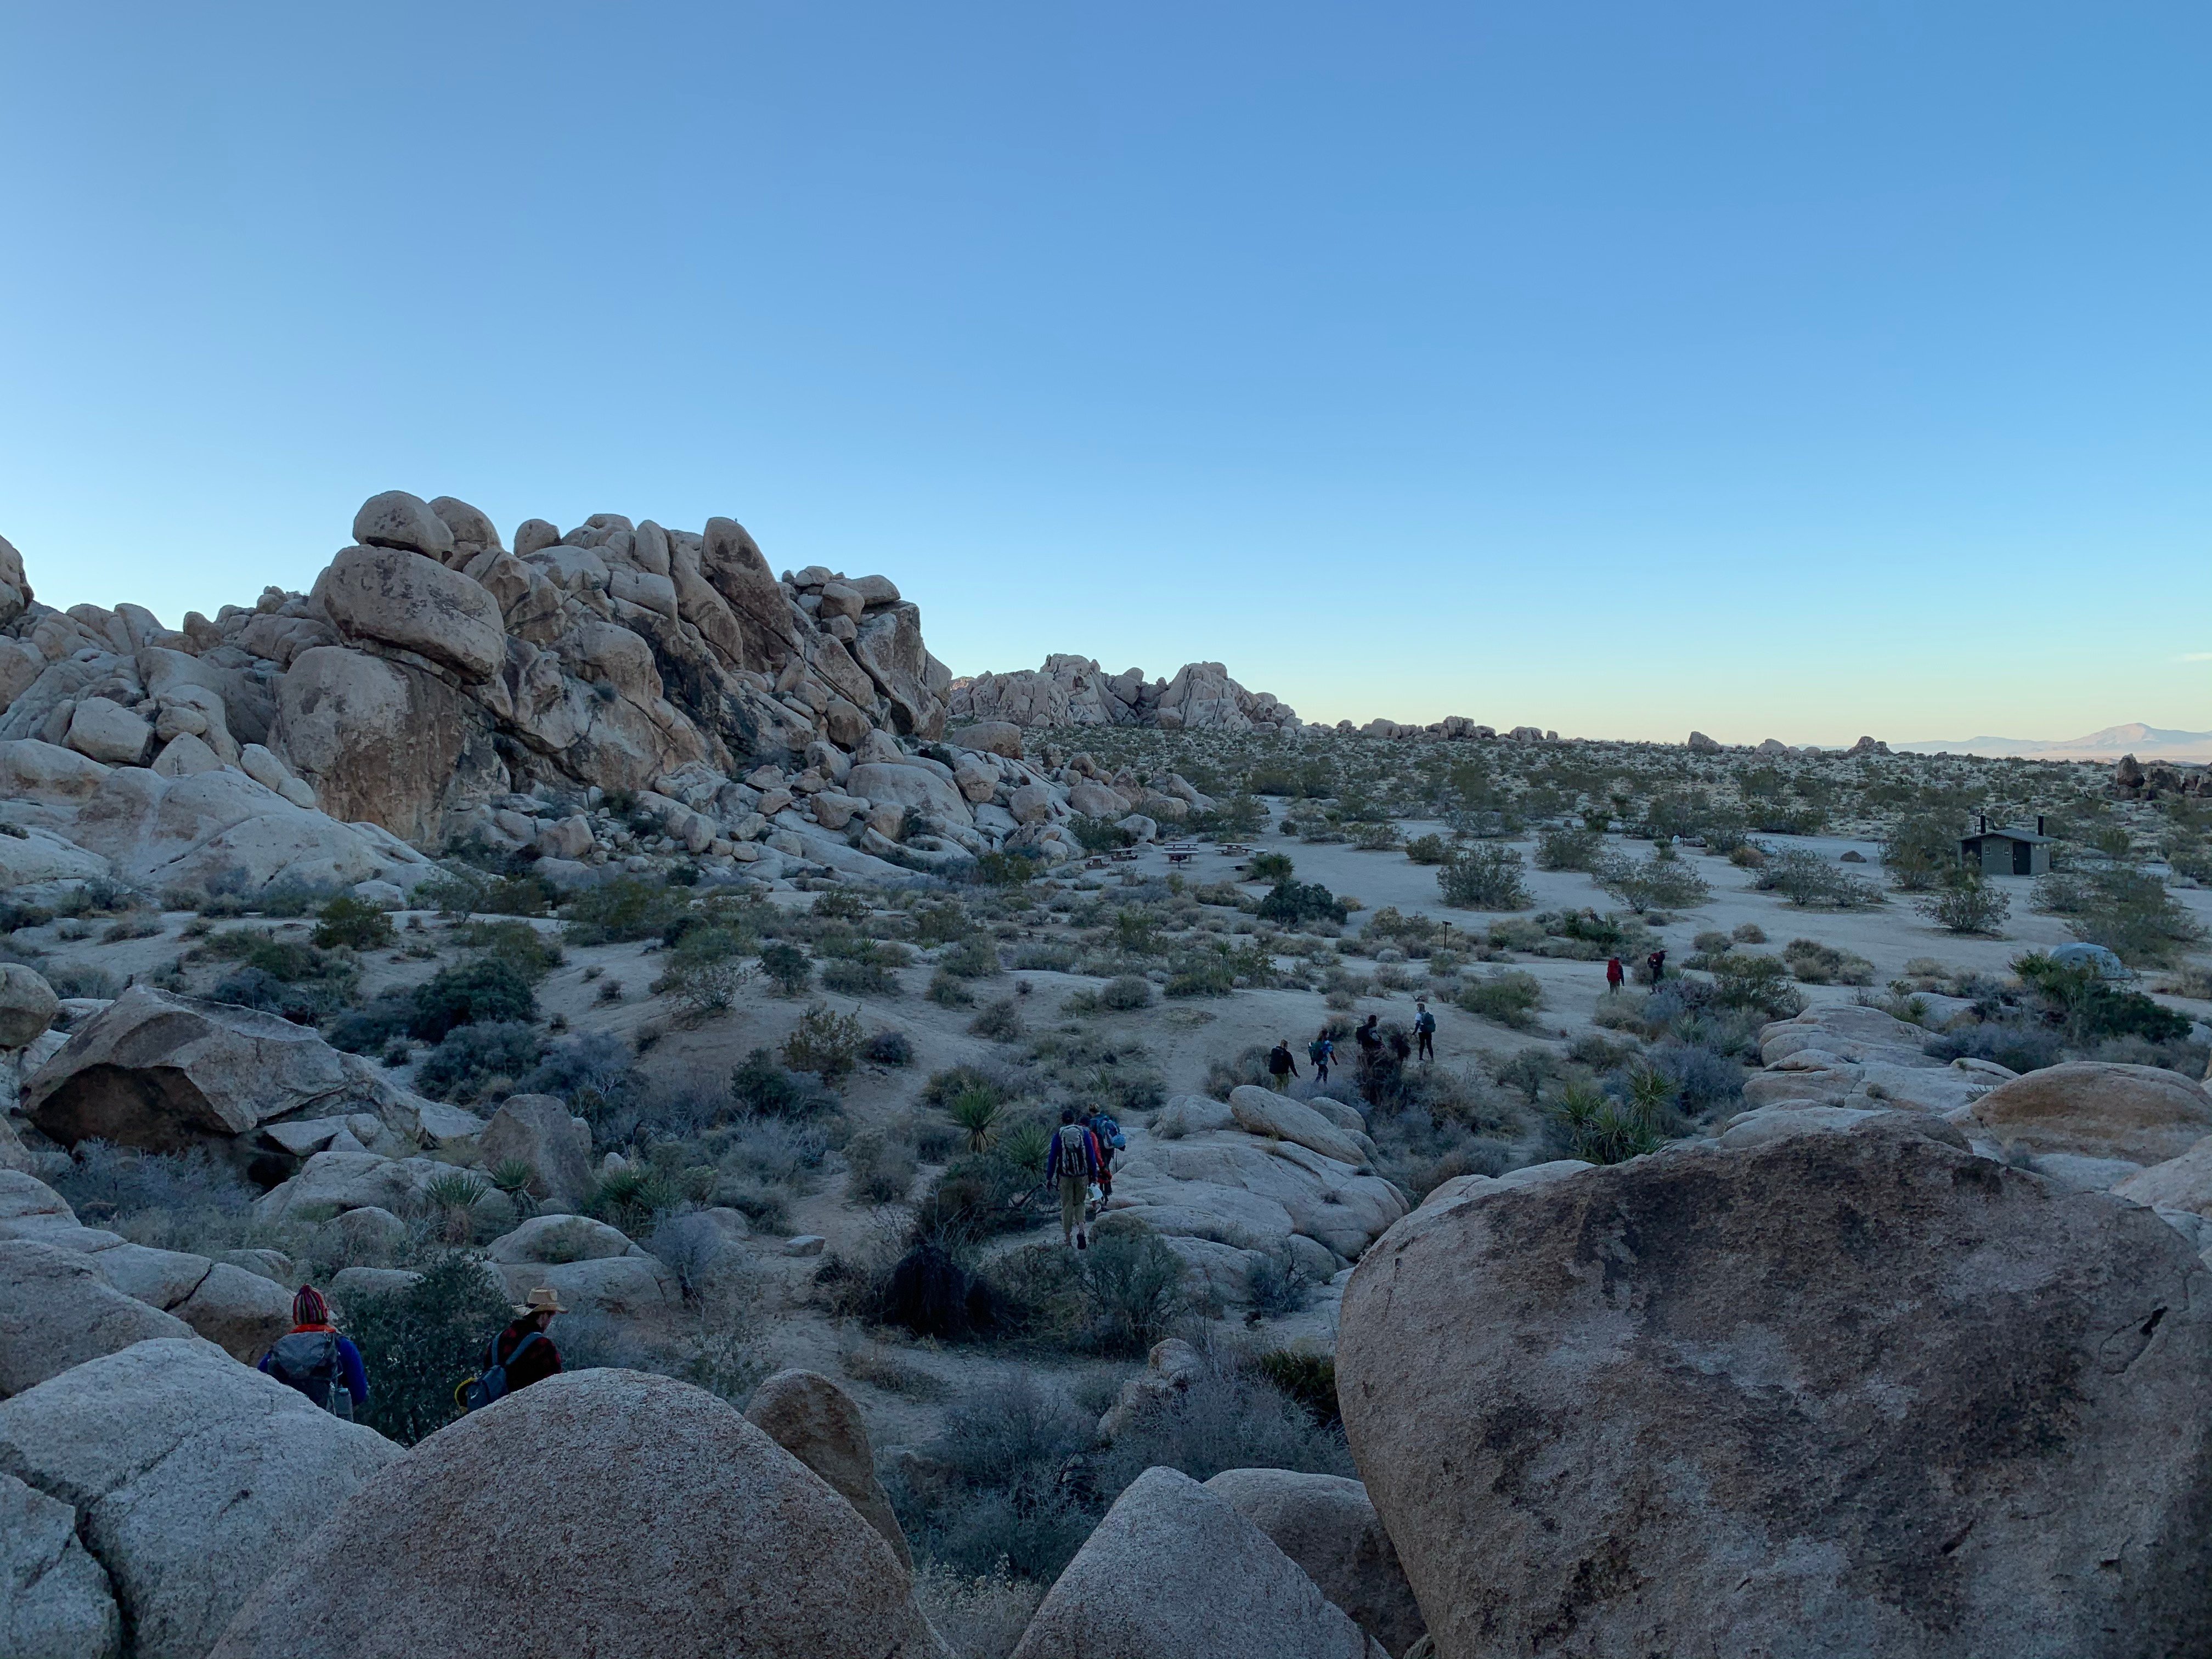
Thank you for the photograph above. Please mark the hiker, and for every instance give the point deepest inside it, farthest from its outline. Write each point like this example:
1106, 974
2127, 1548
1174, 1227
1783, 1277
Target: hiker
1400, 1050
1657, 962
1370, 1039
1281, 1068
314, 1358
523, 1350
1070, 1165
1106, 1133
1614, 975
1320, 1051
1424, 1030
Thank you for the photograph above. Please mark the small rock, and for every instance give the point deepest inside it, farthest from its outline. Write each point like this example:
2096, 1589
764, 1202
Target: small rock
804, 1244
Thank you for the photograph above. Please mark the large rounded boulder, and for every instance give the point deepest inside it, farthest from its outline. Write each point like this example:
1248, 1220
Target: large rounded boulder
1844, 1392
405, 598
1325, 1523
191, 1477
595, 1513
2094, 1108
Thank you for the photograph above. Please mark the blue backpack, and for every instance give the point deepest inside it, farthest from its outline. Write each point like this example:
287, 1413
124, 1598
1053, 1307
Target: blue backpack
1108, 1131
478, 1391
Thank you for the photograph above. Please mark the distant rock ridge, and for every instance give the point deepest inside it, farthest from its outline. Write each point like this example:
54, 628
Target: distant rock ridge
1073, 690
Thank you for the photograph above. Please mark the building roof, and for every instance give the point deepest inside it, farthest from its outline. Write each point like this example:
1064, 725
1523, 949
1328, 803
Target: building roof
2006, 835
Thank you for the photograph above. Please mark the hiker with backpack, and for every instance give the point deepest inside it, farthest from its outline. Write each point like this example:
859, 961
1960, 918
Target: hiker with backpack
1613, 975
1069, 1168
1424, 1030
518, 1356
1320, 1052
314, 1358
1106, 1131
1369, 1038
1657, 962
1281, 1068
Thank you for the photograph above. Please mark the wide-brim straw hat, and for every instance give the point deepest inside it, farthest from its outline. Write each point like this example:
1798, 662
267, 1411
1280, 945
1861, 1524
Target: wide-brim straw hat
539, 1301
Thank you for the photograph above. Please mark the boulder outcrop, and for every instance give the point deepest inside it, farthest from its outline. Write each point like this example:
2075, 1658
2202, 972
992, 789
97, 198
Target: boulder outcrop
162, 1072
58, 1310
2091, 1109
1214, 1584
1325, 1523
191, 1478
608, 1511
1855, 1391
1069, 690
817, 1422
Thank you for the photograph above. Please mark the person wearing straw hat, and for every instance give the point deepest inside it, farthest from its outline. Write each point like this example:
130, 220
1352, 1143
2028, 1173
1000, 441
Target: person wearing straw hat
523, 1350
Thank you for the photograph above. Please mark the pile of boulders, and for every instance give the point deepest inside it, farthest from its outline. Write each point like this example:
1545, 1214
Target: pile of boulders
1070, 691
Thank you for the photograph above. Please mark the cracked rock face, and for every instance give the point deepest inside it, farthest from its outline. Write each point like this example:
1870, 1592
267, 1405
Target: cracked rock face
1844, 1392
192, 1479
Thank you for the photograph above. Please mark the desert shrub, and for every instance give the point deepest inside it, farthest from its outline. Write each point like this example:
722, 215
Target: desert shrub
1100, 834
1510, 997
999, 1021
517, 943
592, 1073
1292, 901
824, 1042
2016, 1045
1653, 883
1701, 1080
973, 957
788, 968
2090, 1009
2192, 981
458, 891
1749, 981
486, 990
1229, 1416
105, 1183
1489, 877
1126, 993
980, 1616
623, 909
1003, 1452
1815, 964
1119, 1296
2126, 910
354, 923
1807, 879
470, 1058
1587, 1123
303, 1002
417, 1343
879, 1169
854, 979
1270, 867
1568, 848
1430, 848
1305, 1377
1006, 869
943, 923
888, 1049
635, 1198
761, 1088
1965, 904
1921, 852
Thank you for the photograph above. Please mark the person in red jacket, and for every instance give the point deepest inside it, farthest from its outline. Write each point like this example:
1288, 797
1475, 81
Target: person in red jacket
528, 1361
1615, 976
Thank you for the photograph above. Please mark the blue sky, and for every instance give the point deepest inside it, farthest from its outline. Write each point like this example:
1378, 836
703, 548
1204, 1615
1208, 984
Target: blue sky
1795, 371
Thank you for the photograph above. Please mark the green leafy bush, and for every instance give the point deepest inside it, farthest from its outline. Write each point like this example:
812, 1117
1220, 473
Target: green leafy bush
1430, 848
1653, 883
1569, 847
1920, 852
487, 990
788, 968
1293, 901
1487, 877
824, 1042
2128, 911
354, 923
1965, 904
1128, 992
623, 909
1508, 997
417, 1344
470, 1057
761, 1088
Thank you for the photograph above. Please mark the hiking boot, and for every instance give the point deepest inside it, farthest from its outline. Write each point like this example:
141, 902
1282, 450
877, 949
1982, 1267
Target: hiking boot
1082, 1243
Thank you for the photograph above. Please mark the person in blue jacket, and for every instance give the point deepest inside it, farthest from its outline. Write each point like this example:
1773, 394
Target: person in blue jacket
316, 1359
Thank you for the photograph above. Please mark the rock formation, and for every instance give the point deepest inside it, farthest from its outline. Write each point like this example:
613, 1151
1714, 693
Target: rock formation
429, 673
1071, 690
605, 1512
1850, 1389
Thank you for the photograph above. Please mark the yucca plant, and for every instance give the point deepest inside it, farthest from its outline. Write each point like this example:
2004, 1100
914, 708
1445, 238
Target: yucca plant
513, 1177
1026, 1147
975, 1112
452, 1200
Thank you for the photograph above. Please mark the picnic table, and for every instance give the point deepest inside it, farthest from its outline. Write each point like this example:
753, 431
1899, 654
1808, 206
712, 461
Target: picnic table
1180, 852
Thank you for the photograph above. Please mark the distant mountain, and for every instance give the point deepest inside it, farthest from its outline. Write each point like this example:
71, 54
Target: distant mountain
2145, 743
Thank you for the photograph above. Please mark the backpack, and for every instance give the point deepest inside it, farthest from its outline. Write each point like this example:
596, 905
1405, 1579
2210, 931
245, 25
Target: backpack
477, 1392
1108, 1128
308, 1361
1427, 1022
1075, 1154
1316, 1050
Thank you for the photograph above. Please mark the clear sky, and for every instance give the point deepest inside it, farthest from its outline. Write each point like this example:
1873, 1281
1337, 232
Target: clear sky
1797, 370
